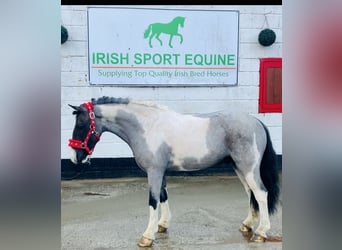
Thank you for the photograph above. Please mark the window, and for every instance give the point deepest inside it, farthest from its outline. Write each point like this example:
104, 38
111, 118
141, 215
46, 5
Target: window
270, 92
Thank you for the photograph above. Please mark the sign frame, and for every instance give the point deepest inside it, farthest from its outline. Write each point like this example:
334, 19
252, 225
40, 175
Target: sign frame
226, 58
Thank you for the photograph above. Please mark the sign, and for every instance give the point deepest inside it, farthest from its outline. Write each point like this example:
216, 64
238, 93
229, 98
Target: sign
153, 47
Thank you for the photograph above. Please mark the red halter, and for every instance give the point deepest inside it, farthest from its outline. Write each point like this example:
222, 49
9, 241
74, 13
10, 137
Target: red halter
77, 144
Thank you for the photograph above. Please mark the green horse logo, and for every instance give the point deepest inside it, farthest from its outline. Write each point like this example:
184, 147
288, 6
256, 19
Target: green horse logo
171, 28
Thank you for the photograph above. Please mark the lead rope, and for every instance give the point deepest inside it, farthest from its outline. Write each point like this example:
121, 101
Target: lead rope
84, 166
73, 177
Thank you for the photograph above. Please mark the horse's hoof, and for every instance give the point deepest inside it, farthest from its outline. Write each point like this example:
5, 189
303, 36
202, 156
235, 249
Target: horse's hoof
258, 238
245, 229
161, 229
145, 242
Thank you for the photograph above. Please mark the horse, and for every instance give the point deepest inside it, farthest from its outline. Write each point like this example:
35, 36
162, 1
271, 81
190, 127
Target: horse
162, 139
171, 28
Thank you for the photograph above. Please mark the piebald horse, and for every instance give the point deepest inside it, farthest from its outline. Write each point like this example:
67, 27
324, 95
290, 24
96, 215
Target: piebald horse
162, 139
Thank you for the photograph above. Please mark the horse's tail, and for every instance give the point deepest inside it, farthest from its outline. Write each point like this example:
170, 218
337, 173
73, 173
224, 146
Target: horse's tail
269, 176
147, 31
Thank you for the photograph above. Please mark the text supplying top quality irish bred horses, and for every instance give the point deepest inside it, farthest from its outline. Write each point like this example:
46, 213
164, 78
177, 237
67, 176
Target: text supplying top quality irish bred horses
162, 139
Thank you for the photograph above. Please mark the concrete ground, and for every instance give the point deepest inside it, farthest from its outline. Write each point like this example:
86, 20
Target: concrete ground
113, 213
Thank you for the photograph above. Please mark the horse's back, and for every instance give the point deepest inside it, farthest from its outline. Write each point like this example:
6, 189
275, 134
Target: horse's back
239, 122
199, 141
234, 121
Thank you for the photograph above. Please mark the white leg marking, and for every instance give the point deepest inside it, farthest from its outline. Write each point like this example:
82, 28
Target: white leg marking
152, 227
259, 194
264, 225
252, 215
261, 197
165, 215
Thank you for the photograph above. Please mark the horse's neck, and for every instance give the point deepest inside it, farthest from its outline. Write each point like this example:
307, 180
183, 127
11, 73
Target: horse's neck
127, 121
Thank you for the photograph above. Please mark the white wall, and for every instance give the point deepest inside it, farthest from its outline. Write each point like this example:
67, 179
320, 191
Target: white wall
75, 89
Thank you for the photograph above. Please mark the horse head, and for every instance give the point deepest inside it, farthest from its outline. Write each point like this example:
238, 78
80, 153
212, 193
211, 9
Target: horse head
180, 20
84, 136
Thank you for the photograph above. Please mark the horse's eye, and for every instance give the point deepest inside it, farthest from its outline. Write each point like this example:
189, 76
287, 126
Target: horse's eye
82, 119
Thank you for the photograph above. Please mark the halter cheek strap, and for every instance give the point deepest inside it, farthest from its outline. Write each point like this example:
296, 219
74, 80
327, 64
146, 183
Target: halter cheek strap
77, 144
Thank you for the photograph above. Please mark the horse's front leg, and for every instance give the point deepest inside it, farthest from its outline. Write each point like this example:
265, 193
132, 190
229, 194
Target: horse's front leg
170, 41
181, 38
150, 40
154, 183
165, 216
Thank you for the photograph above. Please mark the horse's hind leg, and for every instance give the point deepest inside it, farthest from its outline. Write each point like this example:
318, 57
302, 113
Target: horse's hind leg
160, 41
165, 216
252, 217
253, 180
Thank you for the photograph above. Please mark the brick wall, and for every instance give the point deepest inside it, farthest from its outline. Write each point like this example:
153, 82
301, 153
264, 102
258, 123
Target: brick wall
75, 89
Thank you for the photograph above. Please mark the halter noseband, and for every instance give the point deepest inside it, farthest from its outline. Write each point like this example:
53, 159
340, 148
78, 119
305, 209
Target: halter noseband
77, 144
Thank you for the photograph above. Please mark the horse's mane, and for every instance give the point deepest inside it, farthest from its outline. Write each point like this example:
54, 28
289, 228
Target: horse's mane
114, 100
179, 18
151, 104
110, 100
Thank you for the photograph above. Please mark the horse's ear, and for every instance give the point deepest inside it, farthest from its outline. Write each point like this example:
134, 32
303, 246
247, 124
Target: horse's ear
74, 107
77, 109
